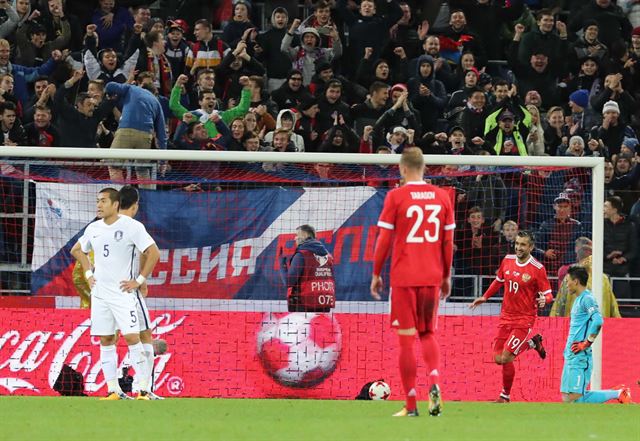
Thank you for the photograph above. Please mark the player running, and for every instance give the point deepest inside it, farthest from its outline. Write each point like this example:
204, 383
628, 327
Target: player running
419, 219
585, 325
114, 239
526, 288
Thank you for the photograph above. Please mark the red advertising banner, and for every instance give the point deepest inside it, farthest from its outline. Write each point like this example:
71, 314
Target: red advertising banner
273, 355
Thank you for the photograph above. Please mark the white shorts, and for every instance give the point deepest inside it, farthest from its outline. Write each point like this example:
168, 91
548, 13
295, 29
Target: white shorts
113, 312
144, 319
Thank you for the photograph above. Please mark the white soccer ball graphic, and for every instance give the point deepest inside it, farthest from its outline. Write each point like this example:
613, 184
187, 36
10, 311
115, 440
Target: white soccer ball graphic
379, 390
299, 349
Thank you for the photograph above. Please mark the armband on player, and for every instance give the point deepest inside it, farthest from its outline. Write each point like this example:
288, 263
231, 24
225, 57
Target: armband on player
88, 273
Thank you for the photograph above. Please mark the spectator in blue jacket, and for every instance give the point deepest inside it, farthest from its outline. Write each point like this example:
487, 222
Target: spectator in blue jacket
142, 118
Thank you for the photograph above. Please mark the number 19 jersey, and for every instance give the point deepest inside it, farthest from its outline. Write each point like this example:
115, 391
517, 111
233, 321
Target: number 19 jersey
522, 282
420, 215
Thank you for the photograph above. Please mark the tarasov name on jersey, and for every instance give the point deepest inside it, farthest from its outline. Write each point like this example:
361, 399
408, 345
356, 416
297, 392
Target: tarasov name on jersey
423, 194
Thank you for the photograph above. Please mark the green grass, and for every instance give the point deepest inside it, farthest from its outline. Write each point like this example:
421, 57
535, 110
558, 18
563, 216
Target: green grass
87, 419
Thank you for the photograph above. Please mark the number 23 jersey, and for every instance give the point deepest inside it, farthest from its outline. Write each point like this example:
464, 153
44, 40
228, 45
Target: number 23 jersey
115, 253
420, 215
521, 284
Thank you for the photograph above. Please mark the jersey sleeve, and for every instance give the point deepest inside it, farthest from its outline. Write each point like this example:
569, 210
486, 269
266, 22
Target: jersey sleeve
141, 238
449, 215
544, 287
589, 305
500, 272
388, 216
85, 240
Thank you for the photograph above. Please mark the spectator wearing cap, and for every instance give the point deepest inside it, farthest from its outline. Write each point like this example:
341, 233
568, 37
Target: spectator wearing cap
505, 132
427, 94
550, 35
556, 236
237, 27
398, 139
635, 41
583, 118
613, 91
574, 148
111, 23
629, 147
613, 24
305, 56
588, 45
368, 112
33, 48
306, 125
176, 49
268, 50
457, 142
612, 131
401, 113
367, 28
291, 93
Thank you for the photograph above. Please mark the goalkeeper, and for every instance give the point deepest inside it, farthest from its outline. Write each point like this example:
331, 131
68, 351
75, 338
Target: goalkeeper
585, 325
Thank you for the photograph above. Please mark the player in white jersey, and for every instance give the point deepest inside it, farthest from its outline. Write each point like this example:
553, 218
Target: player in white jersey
129, 205
114, 239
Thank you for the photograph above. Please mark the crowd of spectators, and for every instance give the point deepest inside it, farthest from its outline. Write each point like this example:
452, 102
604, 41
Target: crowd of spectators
491, 77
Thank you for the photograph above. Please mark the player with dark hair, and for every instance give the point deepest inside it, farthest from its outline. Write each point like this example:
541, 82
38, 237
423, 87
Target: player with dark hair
526, 288
308, 274
418, 219
129, 205
586, 322
114, 238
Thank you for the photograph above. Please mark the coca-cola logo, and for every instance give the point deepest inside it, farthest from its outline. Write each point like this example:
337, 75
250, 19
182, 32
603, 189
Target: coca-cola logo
27, 357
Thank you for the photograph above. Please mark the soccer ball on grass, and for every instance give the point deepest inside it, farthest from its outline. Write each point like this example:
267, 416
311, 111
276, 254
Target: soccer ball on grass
379, 390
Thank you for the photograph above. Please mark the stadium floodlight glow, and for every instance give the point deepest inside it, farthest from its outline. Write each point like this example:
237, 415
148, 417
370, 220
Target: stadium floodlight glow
596, 164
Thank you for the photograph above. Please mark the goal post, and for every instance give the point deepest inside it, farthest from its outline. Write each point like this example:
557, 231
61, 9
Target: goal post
595, 164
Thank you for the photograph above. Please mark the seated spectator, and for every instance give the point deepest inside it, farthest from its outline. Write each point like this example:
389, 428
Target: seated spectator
111, 24
535, 140
340, 139
331, 107
620, 244
258, 120
286, 120
583, 118
40, 132
305, 56
556, 132
427, 94
460, 96
12, 131
507, 240
556, 236
472, 118
505, 133
306, 124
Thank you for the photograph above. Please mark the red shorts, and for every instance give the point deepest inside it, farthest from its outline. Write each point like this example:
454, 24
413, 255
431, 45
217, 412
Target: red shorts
415, 307
511, 340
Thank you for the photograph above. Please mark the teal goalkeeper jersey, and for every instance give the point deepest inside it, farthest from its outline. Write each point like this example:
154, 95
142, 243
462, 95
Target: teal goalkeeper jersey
585, 320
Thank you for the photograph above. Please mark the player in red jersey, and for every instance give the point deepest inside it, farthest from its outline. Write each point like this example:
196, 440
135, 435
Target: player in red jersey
418, 218
526, 288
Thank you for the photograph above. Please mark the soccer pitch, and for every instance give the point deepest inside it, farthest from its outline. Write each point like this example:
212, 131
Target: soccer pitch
62, 418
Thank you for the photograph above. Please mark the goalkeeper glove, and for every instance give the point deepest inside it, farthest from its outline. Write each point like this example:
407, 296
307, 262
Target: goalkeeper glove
580, 346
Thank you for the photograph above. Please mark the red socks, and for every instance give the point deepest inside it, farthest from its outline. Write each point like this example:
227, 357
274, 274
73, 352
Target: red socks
508, 374
407, 363
431, 355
